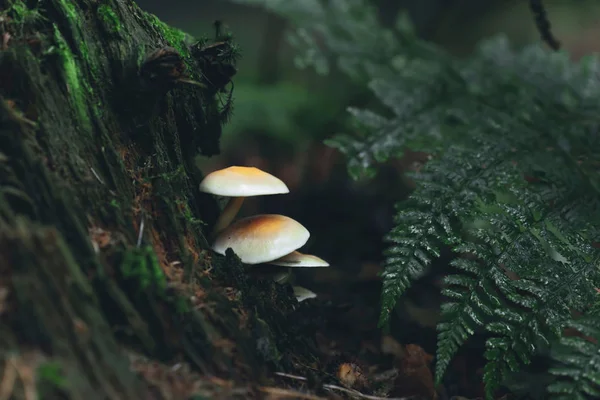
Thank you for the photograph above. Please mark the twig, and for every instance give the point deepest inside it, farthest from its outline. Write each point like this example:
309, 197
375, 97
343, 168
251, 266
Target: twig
97, 176
17, 368
191, 82
8, 380
289, 393
141, 233
543, 24
15, 116
26, 373
343, 389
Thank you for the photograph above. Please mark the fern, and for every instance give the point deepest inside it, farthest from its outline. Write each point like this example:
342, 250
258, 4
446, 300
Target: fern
576, 363
512, 186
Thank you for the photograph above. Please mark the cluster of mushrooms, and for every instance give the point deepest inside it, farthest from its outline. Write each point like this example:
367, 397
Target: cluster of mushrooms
260, 239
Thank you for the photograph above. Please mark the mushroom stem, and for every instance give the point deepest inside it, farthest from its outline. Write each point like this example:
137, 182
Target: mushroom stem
228, 214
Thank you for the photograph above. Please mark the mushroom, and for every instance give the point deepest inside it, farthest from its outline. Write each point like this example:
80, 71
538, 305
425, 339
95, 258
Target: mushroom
262, 238
297, 259
303, 293
283, 276
239, 183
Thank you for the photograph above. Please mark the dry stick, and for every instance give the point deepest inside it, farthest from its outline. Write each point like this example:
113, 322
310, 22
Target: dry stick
27, 380
8, 380
141, 233
96, 175
289, 393
343, 389
191, 82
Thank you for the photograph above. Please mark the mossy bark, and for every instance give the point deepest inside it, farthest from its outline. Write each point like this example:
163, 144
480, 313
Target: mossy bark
102, 244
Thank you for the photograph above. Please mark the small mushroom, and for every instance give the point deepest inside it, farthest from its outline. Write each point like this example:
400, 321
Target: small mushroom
239, 183
283, 276
297, 259
262, 238
303, 293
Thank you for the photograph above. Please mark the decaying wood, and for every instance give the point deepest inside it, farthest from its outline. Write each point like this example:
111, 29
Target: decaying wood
103, 111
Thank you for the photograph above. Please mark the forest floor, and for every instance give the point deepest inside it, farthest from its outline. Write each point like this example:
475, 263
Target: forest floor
352, 357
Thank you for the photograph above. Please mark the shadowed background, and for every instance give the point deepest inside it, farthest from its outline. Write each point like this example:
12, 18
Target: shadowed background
282, 114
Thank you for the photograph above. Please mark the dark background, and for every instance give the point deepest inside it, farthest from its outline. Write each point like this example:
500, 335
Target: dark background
282, 114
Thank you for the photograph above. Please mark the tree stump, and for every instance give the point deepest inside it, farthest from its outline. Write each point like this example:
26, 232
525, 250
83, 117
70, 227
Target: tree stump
105, 272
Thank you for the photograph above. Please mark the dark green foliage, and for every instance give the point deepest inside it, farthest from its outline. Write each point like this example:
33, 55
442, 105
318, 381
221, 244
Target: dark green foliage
576, 362
512, 186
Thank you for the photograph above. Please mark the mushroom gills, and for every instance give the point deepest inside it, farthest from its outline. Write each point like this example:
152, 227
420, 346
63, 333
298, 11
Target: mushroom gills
297, 259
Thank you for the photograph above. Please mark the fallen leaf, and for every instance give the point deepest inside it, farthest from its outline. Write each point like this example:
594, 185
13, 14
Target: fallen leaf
415, 377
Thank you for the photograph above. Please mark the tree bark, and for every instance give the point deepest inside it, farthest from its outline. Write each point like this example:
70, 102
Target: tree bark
103, 253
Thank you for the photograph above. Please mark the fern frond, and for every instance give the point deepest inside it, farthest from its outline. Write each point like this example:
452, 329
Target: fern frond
417, 119
512, 187
551, 275
576, 362
434, 215
528, 236
363, 49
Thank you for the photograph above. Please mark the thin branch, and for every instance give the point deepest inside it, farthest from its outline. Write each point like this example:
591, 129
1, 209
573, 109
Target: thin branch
97, 176
543, 24
141, 233
293, 394
8, 380
343, 389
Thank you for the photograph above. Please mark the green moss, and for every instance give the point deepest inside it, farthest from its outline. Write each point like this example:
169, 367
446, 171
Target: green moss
51, 372
49, 378
181, 304
72, 78
187, 213
176, 176
142, 265
176, 38
70, 9
74, 18
20, 14
109, 18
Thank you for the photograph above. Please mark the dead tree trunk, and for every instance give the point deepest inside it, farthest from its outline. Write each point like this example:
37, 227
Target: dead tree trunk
102, 252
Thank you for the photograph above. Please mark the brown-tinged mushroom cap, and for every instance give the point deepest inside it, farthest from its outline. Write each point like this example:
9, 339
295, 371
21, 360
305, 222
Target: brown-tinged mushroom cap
238, 181
262, 238
297, 259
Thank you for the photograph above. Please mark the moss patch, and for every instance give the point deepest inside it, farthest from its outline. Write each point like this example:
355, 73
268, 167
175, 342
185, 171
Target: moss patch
175, 37
21, 14
49, 375
74, 17
109, 18
72, 79
142, 265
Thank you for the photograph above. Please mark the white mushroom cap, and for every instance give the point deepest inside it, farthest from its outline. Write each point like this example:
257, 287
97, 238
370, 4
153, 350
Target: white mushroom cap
303, 293
262, 238
242, 182
297, 259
